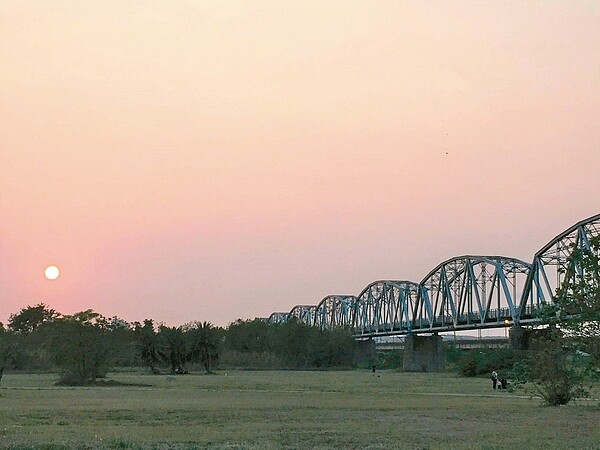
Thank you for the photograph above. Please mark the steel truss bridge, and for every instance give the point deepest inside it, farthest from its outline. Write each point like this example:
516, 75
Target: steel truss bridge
462, 293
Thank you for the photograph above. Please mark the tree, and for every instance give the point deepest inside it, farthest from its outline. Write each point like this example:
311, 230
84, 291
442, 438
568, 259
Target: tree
291, 341
30, 318
124, 342
203, 343
557, 373
247, 336
149, 345
576, 308
339, 347
9, 351
173, 347
568, 354
82, 347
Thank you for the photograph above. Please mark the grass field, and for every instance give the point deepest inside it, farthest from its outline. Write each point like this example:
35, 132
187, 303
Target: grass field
320, 410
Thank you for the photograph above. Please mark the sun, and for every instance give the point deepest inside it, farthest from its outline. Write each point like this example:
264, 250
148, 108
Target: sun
52, 272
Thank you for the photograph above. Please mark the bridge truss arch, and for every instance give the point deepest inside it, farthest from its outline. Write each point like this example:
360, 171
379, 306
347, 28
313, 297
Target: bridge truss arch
304, 314
555, 267
470, 292
336, 311
386, 307
278, 317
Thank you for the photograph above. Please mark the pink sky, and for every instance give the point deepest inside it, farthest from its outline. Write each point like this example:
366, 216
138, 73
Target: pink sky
219, 160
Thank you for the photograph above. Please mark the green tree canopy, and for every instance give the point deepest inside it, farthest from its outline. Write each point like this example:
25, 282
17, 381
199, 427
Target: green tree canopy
576, 306
82, 346
203, 341
173, 347
30, 318
568, 353
248, 336
148, 344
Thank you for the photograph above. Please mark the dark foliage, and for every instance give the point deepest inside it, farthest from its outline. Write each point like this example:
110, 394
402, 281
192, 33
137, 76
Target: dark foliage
567, 355
148, 345
82, 345
203, 344
85, 346
173, 348
557, 373
291, 345
30, 318
476, 362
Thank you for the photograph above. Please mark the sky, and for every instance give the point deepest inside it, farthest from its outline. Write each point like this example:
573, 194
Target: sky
208, 160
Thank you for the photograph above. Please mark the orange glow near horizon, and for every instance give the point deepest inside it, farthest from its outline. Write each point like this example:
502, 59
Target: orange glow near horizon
211, 161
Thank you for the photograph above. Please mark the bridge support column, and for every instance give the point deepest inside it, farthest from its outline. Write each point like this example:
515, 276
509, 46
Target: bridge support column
528, 338
423, 353
519, 337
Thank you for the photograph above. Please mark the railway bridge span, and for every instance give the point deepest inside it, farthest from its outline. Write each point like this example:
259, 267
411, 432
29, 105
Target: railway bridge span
469, 292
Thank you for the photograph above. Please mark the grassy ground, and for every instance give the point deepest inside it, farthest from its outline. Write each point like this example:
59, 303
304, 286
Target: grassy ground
256, 410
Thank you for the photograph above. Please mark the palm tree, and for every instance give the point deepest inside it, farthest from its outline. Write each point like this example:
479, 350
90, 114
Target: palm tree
203, 339
173, 347
149, 345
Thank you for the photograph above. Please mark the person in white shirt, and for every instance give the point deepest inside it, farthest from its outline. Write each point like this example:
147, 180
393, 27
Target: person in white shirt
494, 379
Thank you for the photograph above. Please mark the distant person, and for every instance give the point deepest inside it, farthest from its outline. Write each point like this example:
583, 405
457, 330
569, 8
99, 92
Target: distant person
494, 379
373, 368
503, 383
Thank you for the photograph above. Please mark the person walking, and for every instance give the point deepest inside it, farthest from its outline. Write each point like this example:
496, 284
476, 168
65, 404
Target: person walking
494, 379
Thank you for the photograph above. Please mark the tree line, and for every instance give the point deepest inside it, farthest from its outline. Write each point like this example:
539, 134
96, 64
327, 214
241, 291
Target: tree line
83, 347
563, 358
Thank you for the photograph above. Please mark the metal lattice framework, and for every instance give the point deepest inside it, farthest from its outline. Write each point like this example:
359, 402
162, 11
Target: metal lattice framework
386, 307
336, 311
304, 314
470, 292
278, 317
554, 266
462, 293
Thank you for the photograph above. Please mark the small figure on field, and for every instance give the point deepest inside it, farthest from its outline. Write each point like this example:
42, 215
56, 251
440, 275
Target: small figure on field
494, 379
503, 383
373, 367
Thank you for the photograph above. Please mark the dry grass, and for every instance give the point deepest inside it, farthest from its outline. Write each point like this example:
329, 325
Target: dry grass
253, 410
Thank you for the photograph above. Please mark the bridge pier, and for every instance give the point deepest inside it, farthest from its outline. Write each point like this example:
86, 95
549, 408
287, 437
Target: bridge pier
423, 353
519, 337
527, 338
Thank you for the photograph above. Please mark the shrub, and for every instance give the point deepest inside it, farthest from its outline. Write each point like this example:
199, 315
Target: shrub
82, 347
475, 362
556, 372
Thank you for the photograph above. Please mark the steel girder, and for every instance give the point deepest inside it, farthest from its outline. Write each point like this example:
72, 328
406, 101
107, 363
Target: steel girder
386, 307
336, 311
554, 266
304, 314
469, 292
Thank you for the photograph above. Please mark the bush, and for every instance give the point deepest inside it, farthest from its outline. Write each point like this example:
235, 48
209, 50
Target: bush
292, 345
82, 347
393, 359
557, 373
475, 362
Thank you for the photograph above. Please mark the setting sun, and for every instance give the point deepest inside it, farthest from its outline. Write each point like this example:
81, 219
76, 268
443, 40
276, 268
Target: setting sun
52, 272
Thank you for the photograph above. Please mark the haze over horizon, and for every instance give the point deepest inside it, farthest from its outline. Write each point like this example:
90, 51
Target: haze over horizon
222, 160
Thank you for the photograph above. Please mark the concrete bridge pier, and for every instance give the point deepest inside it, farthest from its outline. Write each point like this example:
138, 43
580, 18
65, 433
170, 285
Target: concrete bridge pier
522, 338
423, 353
519, 337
